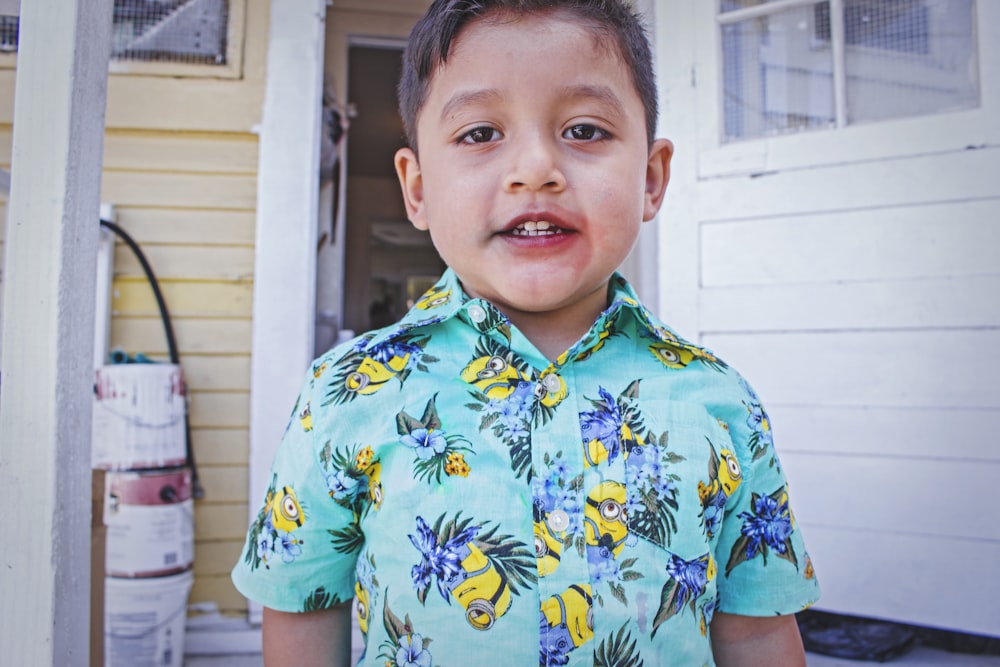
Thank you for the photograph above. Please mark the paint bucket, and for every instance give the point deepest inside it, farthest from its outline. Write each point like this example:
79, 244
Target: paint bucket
150, 522
138, 417
144, 620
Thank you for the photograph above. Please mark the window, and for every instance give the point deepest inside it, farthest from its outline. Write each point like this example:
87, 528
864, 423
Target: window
167, 34
191, 31
800, 65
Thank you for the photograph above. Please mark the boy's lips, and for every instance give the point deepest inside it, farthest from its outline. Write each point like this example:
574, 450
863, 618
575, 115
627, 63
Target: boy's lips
539, 224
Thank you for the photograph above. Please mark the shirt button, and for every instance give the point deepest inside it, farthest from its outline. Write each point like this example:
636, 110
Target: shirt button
558, 520
552, 383
477, 313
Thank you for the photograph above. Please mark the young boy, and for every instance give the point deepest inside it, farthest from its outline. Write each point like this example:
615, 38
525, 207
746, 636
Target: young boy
529, 466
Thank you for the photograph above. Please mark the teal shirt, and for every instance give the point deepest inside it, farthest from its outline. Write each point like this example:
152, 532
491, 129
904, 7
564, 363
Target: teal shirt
480, 503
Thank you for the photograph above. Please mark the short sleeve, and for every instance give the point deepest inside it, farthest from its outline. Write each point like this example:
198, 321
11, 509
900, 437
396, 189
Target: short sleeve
763, 563
289, 561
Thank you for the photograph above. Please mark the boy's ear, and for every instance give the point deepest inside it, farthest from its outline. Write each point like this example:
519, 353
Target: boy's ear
657, 177
412, 184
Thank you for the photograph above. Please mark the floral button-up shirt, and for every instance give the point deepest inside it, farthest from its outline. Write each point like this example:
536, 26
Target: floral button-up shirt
482, 505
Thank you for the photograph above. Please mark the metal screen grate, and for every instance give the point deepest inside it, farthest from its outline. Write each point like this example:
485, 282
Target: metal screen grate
183, 31
900, 58
774, 82
178, 31
909, 58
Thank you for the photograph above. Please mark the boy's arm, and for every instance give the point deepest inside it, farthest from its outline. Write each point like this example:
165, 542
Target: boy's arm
756, 641
308, 639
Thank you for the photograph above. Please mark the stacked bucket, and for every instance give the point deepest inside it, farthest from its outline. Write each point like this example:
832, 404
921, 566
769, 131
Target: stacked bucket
139, 439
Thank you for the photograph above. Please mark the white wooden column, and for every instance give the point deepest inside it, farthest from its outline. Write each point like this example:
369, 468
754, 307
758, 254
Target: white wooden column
284, 301
48, 331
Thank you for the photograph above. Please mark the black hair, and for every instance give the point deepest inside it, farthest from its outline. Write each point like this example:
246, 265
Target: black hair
433, 35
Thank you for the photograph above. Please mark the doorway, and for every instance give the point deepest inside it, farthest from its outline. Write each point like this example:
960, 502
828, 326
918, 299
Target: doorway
387, 263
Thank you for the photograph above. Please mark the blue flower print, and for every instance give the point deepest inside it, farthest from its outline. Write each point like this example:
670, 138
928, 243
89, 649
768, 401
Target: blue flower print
443, 561
426, 442
290, 547
603, 566
265, 544
602, 426
687, 580
767, 528
769, 523
690, 576
341, 485
412, 653
386, 351
514, 412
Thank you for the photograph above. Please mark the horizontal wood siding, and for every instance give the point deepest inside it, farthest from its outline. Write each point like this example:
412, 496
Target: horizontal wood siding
180, 166
862, 303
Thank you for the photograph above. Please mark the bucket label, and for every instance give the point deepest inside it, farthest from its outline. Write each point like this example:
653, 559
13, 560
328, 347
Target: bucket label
138, 417
150, 523
144, 620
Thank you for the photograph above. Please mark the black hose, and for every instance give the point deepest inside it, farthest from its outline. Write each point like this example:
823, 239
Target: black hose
196, 489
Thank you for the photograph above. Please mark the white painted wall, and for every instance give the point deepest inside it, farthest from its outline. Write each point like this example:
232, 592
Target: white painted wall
853, 276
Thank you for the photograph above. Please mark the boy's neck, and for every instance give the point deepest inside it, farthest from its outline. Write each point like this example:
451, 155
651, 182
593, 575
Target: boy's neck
554, 332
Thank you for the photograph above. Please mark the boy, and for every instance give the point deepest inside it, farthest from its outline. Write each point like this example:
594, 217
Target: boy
529, 466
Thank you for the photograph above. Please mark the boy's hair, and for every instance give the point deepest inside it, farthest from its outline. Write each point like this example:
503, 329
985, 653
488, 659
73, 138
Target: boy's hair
432, 37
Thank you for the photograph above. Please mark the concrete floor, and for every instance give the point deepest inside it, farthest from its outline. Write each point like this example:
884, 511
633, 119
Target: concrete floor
919, 657
206, 634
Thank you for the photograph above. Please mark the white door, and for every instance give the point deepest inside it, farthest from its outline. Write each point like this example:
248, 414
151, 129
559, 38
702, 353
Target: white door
832, 230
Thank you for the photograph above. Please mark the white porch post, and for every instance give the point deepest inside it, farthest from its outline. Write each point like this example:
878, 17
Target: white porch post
284, 301
48, 331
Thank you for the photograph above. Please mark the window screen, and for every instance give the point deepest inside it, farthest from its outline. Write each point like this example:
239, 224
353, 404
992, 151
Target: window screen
831, 63
181, 31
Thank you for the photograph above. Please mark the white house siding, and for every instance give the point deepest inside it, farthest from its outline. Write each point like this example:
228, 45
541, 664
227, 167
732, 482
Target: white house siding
853, 276
180, 163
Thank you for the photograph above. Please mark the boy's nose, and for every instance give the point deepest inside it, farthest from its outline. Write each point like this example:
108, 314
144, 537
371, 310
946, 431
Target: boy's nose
535, 166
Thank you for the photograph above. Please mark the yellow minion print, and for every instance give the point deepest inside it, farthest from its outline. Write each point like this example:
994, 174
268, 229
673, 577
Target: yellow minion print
604, 518
369, 365
362, 607
374, 473
305, 419
548, 548
672, 355
495, 376
481, 589
434, 297
569, 618
286, 513
484, 590
271, 532
724, 476
371, 375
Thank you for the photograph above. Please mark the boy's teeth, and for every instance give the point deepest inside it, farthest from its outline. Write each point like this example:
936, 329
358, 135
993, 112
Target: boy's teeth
535, 228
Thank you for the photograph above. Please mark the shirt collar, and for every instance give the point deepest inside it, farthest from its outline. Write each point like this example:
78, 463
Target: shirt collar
446, 300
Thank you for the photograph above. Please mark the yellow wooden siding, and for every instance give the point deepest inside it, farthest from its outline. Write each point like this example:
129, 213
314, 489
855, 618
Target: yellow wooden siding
180, 166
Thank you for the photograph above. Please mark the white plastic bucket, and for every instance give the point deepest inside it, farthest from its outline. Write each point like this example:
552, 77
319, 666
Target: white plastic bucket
150, 522
138, 417
144, 620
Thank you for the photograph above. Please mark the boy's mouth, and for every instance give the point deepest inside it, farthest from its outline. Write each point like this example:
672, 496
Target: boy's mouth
536, 228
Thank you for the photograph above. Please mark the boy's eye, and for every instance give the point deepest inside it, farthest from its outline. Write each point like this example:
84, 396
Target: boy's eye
479, 135
585, 132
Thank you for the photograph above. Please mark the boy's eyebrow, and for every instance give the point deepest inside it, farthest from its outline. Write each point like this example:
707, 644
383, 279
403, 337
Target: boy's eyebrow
602, 94
479, 96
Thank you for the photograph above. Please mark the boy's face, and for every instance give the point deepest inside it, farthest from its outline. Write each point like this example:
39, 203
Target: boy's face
534, 173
